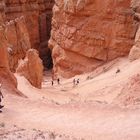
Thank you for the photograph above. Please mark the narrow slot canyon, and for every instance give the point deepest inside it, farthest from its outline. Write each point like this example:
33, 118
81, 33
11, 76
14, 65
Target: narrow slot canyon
45, 32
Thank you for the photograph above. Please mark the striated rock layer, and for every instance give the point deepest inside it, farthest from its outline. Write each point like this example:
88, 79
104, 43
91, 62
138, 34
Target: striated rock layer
37, 15
14, 43
18, 41
2, 12
7, 79
88, 33
17, 38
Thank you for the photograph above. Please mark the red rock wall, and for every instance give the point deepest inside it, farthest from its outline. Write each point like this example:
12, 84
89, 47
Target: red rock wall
2, 13
35, 12
38, 15
7, 79
23, 24
18, 41
17, 8
14, 45
88, 33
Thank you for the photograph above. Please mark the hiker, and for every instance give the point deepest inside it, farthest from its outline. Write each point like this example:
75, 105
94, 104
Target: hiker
52, 83
77, 81
74, 82
1, 96
118, 70
58, 81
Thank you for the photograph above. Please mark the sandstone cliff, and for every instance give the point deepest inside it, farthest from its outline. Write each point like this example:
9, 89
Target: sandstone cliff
14, 43
2, 12
87, 33
37, 15
19, 8
7, 79
18, 41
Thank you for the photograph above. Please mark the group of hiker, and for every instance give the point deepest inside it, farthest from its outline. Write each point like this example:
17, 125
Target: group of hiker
58, 81
75, 82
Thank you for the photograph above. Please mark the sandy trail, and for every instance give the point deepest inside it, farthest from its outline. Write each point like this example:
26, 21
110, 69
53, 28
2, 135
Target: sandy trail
85, 111
85, 120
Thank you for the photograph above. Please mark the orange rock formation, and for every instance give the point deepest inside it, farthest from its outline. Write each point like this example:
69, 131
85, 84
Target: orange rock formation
37, 15
7, 79
14, 43
86, 34
31, 68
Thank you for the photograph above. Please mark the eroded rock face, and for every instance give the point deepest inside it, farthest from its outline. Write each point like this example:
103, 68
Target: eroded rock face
87, 33
15, 9
2, 12
18, 41
37, 15
3, 50
135, 51
19, 20
14, 44
7, 79
31, 68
